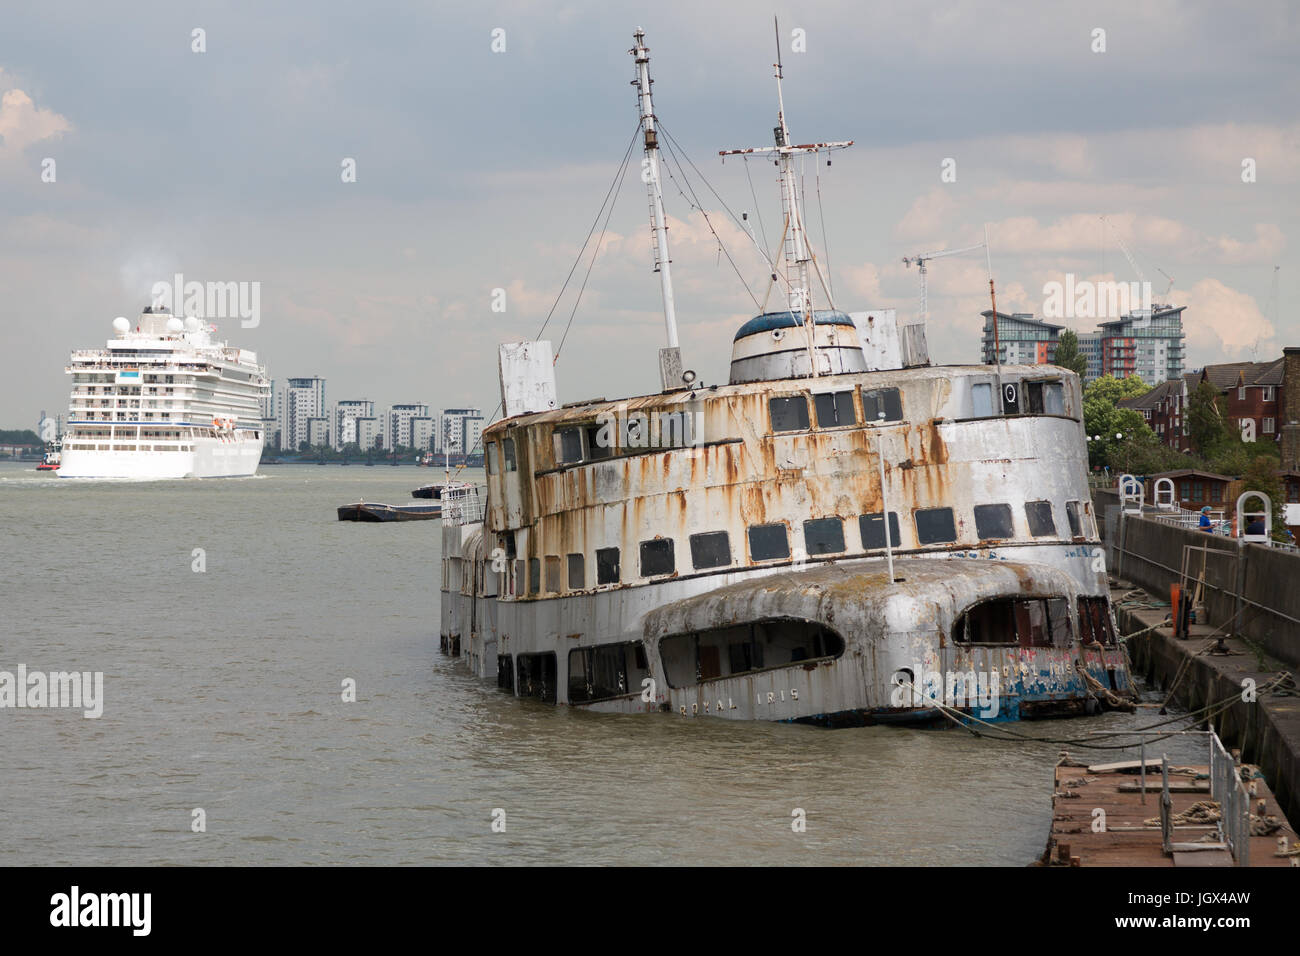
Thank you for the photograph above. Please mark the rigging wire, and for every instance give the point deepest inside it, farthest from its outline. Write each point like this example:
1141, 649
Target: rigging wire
622, 175
617, 181
757, 211
821, 216
694, 202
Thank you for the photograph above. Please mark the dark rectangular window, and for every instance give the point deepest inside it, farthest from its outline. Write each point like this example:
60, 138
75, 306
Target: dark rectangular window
657, 557
823, 535
568, 446
493, 466
835, 409
577, 572
520, 580
877, 400
993, 521
600, 442
768, 542
935, 526
553, 573
508, 452
789, 413
872, 527
534, 575
1072, 516
712, 550
607, 565
1041, 523
511, 551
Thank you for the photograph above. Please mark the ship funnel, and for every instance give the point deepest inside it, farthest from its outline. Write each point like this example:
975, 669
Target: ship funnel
773, 346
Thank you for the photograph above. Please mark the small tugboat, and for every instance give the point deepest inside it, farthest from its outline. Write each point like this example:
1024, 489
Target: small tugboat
373, 511
53, 457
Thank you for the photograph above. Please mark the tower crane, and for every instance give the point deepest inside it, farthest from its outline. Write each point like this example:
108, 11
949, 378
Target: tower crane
925, 257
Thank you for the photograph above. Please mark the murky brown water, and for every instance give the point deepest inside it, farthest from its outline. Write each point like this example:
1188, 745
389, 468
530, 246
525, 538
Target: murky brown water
223, 692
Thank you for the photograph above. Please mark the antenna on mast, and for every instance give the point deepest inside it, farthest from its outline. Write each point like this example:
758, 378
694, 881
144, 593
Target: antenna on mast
670, 358
797, 252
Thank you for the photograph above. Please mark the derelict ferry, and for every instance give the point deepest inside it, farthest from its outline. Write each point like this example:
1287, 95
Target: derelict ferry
163, 399
842, 534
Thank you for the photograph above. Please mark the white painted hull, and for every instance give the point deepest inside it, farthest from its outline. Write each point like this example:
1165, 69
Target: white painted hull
211, 458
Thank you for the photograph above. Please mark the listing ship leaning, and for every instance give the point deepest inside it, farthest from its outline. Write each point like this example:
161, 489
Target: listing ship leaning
164, 399
840, 535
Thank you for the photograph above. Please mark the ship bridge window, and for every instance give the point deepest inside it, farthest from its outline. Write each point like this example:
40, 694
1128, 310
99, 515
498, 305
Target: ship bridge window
934, 526
723, 652
599, 441
872, 528
1045, 398
607, 565
577, 572
1075, 517
711, 550
493, 466
657, 557
534, 575
835, 409
823, 535
993, 521
508, 453
876, 401
1094, 621
612, 670
768, 542
789, 413
568, 445
1041, 523
981, 400
1032, 622
553, 574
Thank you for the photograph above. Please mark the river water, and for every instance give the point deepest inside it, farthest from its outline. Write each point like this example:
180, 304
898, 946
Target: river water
223, 694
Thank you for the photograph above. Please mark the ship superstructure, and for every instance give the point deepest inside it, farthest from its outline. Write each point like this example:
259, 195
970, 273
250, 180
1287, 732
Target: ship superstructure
164, 399
843, 533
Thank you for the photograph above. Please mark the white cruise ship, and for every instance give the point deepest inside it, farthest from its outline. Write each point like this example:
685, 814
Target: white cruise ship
163, 399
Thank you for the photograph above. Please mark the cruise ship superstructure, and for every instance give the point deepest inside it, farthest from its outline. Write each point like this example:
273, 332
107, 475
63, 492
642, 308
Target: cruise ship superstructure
843, 533
164, 399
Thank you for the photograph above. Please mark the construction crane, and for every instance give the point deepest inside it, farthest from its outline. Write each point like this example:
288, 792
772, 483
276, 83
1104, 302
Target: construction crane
1169, 288
925, 257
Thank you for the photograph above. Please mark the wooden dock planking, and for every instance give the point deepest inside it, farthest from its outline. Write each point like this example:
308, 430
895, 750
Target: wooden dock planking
1126, 841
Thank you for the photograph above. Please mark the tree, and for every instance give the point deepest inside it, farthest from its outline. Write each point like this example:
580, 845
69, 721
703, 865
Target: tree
1205, 422
1112, 389
1068, 354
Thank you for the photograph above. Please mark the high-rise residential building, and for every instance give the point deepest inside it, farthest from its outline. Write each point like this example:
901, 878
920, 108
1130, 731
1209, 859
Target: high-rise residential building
370, 433
301, 399
1090, 348
399, 424
1022, 339
1147, 343
424, 433
459, 430
268, 402
346, 413
318, 431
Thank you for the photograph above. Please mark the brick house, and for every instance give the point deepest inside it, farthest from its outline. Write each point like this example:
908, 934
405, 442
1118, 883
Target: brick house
1254, 392
1164, 408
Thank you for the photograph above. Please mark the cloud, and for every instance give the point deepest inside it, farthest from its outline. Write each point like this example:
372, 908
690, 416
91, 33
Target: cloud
22, 123
1223, 324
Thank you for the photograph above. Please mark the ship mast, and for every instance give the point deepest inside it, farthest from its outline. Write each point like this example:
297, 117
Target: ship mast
796, 249
670, 358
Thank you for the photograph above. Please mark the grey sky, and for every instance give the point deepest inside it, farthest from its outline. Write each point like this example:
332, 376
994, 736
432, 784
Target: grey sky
478, 170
